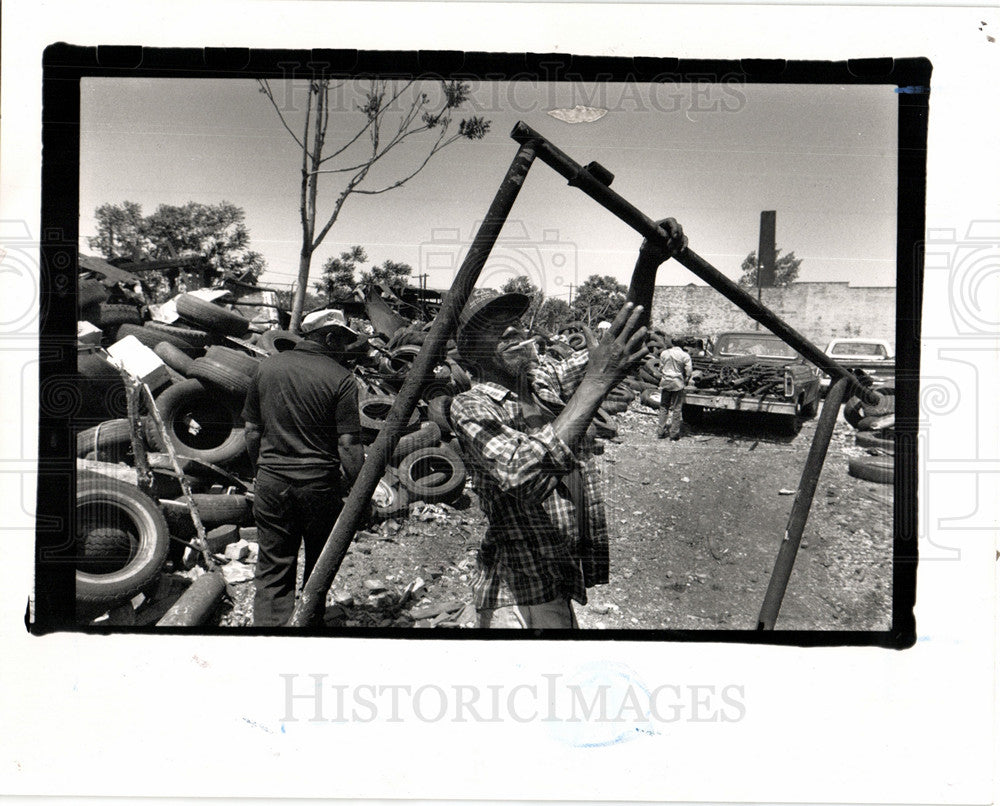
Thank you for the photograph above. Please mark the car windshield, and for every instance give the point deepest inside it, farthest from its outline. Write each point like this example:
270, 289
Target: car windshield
867, 348
754, 344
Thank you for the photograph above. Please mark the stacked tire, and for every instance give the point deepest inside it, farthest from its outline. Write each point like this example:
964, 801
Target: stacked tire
875, 434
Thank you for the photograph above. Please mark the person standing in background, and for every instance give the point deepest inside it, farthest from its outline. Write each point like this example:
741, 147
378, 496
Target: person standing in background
675, 372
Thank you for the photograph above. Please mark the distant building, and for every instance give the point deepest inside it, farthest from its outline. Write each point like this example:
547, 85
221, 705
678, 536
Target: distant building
820, 311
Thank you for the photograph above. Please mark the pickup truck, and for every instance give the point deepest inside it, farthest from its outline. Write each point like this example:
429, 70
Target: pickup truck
871, 357
753, 372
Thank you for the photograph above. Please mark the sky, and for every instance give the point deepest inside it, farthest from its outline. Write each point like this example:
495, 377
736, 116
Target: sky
713, 156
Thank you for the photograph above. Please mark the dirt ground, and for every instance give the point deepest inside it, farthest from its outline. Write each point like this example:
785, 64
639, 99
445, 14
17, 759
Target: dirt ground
695, 528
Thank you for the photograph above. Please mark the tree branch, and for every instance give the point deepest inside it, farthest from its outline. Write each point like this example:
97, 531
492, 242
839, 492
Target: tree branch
437, 147
267, 91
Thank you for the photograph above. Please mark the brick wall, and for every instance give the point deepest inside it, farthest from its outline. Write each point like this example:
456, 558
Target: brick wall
820, 311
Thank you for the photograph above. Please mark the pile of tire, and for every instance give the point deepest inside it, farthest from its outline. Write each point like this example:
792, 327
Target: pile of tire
876, 434
123, 534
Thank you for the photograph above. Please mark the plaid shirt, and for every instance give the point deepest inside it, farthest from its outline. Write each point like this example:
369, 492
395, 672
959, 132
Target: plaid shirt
533, 551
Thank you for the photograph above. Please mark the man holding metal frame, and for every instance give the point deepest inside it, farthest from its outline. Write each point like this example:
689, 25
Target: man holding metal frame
523, 430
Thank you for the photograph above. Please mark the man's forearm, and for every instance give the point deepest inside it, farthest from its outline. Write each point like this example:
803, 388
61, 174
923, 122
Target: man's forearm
575, 418
252, 436
352, 457
640, 290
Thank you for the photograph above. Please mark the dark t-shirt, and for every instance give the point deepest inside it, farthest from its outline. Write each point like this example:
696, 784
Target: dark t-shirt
302, 400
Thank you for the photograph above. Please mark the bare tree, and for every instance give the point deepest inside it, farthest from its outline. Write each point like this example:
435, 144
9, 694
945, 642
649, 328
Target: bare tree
392, 113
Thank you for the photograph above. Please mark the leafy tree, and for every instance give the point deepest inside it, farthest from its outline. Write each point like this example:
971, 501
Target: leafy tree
390, 113
519, 285
554, 314
338, 274
121, 231
215, 232
786, 269
390, 273
599, 298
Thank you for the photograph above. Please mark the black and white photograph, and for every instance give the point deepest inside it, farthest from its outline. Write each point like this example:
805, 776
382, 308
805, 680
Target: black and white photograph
321, 301
607, 383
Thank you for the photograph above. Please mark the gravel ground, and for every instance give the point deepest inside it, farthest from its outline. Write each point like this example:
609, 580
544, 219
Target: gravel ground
695, 528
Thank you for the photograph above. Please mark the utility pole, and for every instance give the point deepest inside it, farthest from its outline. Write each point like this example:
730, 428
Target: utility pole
570, 293
423, 293
765, 252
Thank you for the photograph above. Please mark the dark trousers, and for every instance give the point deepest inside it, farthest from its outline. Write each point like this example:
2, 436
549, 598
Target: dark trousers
671, 403
288, 513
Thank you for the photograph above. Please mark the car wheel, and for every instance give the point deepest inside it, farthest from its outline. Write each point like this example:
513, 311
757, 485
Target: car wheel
121, 538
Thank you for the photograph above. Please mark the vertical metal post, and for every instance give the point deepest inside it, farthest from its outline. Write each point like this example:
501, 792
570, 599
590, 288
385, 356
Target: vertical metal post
309, 608
800, 507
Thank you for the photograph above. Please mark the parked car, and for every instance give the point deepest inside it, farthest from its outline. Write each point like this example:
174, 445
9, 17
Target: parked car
872, 357
755, 372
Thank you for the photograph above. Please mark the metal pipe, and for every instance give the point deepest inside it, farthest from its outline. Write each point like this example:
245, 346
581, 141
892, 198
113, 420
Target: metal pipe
308, 609
196, 603
580, 177
800, 507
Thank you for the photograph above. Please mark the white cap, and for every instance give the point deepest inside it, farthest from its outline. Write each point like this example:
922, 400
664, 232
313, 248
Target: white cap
326, 319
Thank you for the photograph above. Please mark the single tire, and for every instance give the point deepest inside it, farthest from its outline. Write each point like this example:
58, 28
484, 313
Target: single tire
122, 541
174, 357
374, 410
113, 316
401, 359
152, 336
855, 410
225, 378
880, 469
277, 341
809, 410
100, 388
876, 422
390, 499
870, 439
196, 338
577, 341
886, 406
852, 411
605, 426
178, 518
91, 293
417, 468
427, 436
199, 424
407, 336
113, 436
436, 388
220, 509
210, 316
614, 406
623, 392
649, 374
650, 398
239, 361
439, 413
559, 351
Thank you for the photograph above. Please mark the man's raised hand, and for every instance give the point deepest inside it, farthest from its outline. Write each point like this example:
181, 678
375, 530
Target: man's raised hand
677, 242
621, 347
